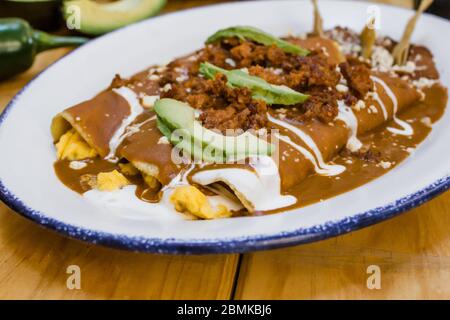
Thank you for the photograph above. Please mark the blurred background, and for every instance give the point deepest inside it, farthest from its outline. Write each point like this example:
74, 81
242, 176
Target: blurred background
28, 27
47, 15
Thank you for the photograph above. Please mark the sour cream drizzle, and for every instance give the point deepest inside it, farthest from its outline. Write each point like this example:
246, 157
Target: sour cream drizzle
135, 110
316, 157
180, 179
347, 116
407, 129
377, 98
260, 188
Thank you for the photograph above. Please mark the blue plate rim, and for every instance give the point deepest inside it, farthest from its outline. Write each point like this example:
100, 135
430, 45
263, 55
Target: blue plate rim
214, 246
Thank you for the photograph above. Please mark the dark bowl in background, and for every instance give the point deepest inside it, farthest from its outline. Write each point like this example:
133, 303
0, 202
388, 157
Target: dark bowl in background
41, 14
439, 8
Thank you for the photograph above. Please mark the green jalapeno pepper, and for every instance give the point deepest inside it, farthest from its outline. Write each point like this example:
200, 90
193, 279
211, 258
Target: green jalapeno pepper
19, 44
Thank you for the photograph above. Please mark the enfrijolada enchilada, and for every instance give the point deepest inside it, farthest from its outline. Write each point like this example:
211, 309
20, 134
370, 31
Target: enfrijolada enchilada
252, 124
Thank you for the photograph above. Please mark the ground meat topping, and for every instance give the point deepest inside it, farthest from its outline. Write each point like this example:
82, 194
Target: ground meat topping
357, 74
233, 108
222, 106
365, 154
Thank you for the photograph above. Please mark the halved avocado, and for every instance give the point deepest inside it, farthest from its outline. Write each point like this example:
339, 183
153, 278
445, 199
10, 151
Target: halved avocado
98, 18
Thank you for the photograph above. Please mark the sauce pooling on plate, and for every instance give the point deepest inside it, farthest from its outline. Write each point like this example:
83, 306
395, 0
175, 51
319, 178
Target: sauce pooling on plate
326, 121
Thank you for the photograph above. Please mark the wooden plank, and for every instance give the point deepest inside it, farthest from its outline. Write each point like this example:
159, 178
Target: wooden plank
33, 261
412, 252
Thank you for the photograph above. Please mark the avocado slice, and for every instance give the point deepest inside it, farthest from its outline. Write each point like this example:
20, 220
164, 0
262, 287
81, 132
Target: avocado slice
175, 115
259, 36
189, 145
99, 18
261, 89
186, 143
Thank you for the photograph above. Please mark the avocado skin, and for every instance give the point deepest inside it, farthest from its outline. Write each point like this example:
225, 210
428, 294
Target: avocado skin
205, 144
98, 18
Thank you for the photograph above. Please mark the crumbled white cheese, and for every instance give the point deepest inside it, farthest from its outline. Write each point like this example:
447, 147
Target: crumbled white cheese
373, 109
424, 83
382, 59
348, 48
180, 70
149, 101
342, 88
230, 62
161, 69
167, 87
182, 78
244, 70
153, 77
410, 150
359, 105
277, 71
427, 121
385, 164
77, 165
409, 67
163, 140
193, 58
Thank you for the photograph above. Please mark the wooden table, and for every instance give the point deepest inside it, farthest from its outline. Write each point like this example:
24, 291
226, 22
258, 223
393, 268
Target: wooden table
412, 251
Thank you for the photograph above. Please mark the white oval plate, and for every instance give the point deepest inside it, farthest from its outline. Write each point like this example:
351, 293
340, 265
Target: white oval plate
28, 183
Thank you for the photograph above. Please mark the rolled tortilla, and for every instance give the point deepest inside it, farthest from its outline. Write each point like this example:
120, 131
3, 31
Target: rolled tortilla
96, 120
306, 148
329, 47
149, 151
331, 138
116, 125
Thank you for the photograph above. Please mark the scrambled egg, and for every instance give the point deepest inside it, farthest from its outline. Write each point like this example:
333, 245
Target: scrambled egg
151, 181
128, 169
110, 181
71, 147
189, 199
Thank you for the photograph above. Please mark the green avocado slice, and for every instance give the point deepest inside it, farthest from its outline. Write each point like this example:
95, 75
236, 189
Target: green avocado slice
98, 18
259, 36
261, 89
178, 119
185, 142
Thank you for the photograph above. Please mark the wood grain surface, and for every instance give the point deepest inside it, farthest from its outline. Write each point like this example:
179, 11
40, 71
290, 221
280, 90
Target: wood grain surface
411, 251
